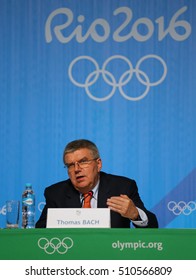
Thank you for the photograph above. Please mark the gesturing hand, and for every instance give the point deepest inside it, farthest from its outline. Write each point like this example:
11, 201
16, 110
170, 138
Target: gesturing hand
124, 206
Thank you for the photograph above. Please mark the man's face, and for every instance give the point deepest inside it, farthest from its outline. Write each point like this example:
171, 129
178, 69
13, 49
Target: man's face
83, 169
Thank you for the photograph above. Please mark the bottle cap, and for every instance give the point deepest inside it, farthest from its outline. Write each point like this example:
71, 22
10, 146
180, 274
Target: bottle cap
28, 184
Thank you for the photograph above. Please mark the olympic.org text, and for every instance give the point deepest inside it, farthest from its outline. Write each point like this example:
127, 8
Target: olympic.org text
137, 245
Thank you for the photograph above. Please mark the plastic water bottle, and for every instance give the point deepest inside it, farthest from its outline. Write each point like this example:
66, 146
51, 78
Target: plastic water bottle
28, 207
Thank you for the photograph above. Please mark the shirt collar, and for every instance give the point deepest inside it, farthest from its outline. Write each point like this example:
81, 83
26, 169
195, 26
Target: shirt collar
94, 190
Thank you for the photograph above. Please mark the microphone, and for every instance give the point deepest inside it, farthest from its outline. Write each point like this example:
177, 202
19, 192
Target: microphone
90, 193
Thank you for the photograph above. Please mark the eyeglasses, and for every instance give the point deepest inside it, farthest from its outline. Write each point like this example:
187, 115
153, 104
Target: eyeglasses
83, 163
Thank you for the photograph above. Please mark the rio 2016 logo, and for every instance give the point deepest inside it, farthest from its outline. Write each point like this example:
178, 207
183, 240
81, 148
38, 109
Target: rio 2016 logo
64, 25
106, 27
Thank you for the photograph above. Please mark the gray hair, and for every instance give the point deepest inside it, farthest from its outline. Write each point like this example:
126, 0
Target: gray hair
81, 144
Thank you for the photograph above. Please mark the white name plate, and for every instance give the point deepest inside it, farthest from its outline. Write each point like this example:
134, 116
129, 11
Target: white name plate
78, 218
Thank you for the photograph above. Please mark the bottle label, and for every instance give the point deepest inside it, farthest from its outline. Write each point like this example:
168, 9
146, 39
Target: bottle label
27, 201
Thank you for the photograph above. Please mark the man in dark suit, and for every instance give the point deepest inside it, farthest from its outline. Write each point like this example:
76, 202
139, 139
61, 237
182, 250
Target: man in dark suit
120, 194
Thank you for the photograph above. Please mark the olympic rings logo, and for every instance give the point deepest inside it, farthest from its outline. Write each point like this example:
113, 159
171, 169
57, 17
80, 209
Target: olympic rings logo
123, 80
55, 245
41, 206
181, 207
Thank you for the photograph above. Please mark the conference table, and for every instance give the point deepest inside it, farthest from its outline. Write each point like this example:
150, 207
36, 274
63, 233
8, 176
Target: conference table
97, 244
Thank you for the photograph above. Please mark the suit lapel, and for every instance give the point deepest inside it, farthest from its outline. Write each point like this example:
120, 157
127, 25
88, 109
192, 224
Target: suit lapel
103, 192
72, 197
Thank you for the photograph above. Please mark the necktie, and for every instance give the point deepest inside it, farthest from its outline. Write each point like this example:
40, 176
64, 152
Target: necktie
87, 199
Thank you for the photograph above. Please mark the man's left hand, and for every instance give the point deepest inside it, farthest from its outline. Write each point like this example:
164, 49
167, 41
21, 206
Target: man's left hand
124, 206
